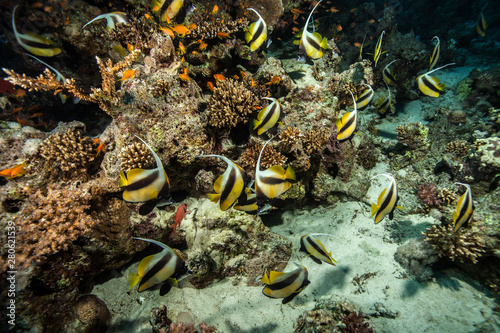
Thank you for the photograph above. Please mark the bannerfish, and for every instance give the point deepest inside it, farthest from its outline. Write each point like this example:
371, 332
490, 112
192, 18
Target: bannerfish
365, 98
388, 75
378, 49
111, 19
150, 186
465, 209
435, 53
315, 249
313, 44
429, 85
247, 202
387, 200
268, 117
164, 266
59, 77
230, 185
385, 103
33, 42
346, 125
272, 182
285, 285
256, 33
178, 9
482, 24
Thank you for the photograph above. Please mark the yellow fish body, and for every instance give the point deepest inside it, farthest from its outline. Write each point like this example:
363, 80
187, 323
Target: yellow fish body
285, 285
430, 85
256, 33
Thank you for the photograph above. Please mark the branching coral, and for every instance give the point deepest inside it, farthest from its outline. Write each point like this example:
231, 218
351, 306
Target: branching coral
52, 221
105, 96
463, 245
413, 135
208, 30
315, 140
230, 103
68, 153
428, 194
135, 155
289, 137
459, 148
269, 158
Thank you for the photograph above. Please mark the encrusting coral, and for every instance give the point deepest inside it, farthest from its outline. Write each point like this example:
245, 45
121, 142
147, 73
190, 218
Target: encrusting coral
68, 153
230, 104
463, 245
135, 155
93, 313
52, 222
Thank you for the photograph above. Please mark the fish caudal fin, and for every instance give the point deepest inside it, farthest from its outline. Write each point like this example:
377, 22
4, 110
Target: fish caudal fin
290, 173
375, 208
324, 44
256, 123
133, 279
123, 179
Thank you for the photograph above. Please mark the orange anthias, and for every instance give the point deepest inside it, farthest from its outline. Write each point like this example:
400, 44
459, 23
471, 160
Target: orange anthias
180, 29
14, 172
129, 74
179, 216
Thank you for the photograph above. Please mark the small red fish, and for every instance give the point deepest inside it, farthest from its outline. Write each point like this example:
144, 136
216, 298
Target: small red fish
210, 86
219, 77
179, 216
100, 148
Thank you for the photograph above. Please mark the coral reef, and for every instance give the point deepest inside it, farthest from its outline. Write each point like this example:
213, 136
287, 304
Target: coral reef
230, 104
289, 137
269, 157
93, 313
135, 155
459, 148
315, 140
413, 135
465, 245
428, 194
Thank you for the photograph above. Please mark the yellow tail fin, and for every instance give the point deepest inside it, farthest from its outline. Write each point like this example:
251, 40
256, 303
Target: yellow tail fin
133, 279
374, 209
214, 197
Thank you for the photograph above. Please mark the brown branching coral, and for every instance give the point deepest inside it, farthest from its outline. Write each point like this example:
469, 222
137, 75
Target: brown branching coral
289, 137
230, 103
52, 222
208, 30
459, 148
135, 155
47, 81
269, 158
68, 153
445, 196
315, 140
463, 245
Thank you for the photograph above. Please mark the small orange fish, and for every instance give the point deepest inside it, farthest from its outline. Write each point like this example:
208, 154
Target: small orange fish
179, 216
257, 107
130, 47
358, 45
274, 80
339, 27
202, 46
182, 48
298, 11
252, 83
216, 8
20, 93
219, 77
334, 10
295, 29
184, 76
38, 114
23, 122
129, 74
353, 24
353, 10
155, 8
168, 31
14, 172
223, 35
96, 141
37, 5
192, 26
99, 149
33, 107
148, 17
67, 21
243, 74
236, 77
181, 30
371, 21
16, 110
210, 86
43, 123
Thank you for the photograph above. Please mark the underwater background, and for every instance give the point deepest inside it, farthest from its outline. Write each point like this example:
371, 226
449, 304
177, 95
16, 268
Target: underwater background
250, 166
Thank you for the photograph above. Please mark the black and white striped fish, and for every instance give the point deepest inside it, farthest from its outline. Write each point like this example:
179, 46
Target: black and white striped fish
316, 249
429, 85
268, 117
385, 103
33, 42
387, 200
388, 75
313, 44
346, 125
158, 268
111, 19
285, 285
482, 24
272, 182
465, 209
150, 186
230, 185
256, 33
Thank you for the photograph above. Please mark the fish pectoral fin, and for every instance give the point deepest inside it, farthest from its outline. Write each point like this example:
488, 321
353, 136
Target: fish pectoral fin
147, 207
133, 279
289, 298
316, 260
375, 208
214, 197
